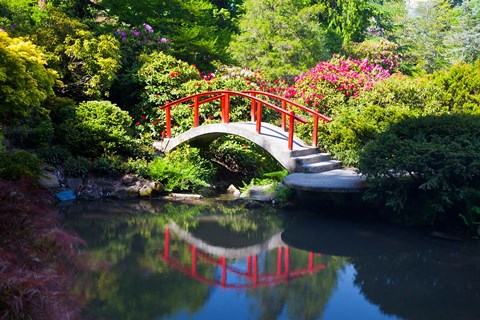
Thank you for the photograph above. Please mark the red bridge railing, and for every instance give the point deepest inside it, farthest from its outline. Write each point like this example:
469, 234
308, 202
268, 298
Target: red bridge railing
286, 110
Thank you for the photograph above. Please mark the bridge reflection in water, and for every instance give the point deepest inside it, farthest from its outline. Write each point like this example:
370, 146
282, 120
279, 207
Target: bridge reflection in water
238, 266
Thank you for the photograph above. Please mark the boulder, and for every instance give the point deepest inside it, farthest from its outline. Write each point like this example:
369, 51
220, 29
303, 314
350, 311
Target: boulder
129, 179
90, 195
234, 191
49, 180
131, 192
151, 189
74, 183
264, 193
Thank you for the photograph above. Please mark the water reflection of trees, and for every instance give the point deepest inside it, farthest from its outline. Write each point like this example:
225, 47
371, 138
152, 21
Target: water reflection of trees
438, 281
127, 279
405, 272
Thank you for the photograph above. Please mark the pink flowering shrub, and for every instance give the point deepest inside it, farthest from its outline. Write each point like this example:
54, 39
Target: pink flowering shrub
332, 83
383, 53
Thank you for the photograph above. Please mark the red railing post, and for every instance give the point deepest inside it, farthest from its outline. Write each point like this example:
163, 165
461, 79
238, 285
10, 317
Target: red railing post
291, 130
227, 107
259, 117
284, 116
315, 131
169, 122
196, 117
252, 109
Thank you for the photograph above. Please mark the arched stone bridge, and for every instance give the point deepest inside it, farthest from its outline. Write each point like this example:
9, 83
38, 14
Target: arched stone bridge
291, 152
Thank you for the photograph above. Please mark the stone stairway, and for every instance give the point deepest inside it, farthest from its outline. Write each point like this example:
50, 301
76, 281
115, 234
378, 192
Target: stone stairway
310, 160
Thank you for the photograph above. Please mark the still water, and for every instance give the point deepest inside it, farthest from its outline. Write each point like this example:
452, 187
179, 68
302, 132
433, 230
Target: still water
220, 260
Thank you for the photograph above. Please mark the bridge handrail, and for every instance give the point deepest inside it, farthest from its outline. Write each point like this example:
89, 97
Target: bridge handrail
293, 103
285, 101
256, 110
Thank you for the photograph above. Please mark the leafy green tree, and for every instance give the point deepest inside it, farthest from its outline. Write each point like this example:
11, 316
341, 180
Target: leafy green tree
349, 18
463, 42
25, 81
425, 31
200, 32
281, 37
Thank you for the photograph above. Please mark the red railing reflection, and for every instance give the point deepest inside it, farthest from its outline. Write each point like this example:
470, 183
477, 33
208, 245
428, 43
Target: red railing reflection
252, 277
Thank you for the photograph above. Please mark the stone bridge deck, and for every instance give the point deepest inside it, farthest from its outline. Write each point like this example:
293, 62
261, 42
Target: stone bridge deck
302, 158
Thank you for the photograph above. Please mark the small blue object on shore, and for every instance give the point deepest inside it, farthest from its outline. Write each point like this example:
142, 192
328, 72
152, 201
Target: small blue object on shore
66, 195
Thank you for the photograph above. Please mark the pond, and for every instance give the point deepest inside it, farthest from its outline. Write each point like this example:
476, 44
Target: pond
221, 260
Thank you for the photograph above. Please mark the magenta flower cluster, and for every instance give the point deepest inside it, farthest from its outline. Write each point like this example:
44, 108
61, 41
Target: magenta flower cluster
347, 77
142, 37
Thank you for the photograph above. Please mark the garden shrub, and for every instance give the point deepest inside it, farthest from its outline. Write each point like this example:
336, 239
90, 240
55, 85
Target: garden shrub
109, 165
55, 155
19, 164
33, 132
182, 169
87, 62
430, 164
461, 87
332, 83
362, 119
242, 157
98, 127
76, 167
2, 145
25, 81
162, 77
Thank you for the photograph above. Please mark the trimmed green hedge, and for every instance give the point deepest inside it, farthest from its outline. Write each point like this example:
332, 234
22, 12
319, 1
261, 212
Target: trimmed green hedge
427, 169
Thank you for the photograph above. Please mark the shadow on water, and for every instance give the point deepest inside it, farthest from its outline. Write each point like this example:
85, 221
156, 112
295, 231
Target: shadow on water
405, 272
152, 260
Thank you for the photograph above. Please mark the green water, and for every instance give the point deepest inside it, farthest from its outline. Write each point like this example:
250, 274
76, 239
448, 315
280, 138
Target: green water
219, 260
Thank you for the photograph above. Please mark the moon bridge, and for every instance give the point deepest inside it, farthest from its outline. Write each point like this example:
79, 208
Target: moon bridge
290, 151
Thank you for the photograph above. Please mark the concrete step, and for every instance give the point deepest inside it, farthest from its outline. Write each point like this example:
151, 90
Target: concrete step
305, 151
311, 158
320, 166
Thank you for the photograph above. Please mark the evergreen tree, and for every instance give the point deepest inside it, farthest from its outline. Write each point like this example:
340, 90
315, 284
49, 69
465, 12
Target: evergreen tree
463, 43
280, 37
